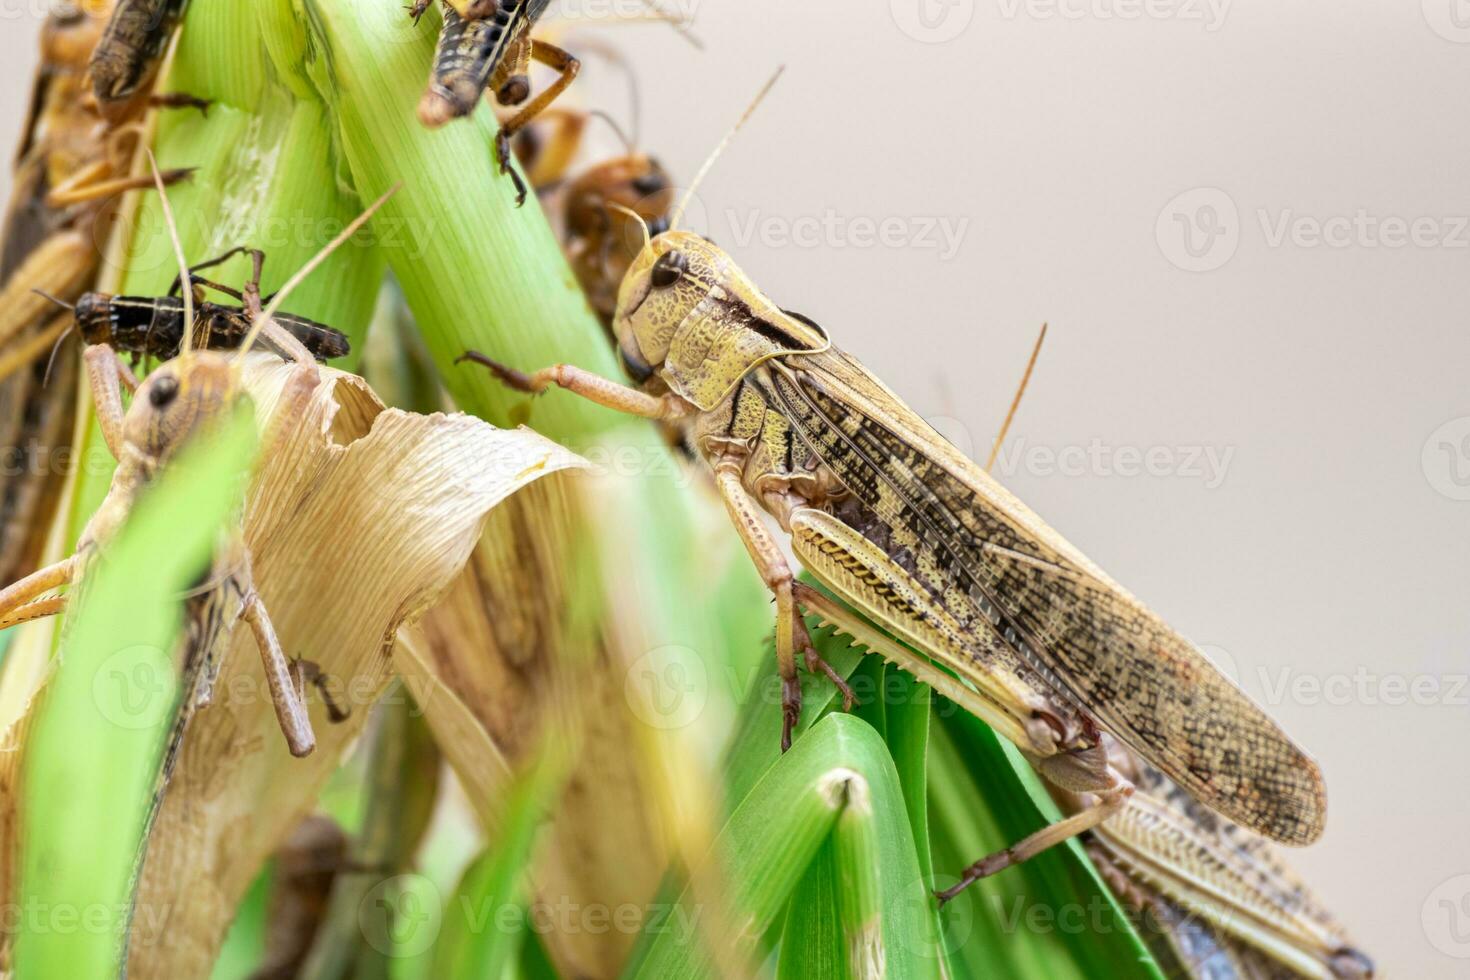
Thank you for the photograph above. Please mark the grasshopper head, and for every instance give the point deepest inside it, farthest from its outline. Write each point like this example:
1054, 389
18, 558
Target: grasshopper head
94, 317
179, 399
71, 32
670, 278
636, 183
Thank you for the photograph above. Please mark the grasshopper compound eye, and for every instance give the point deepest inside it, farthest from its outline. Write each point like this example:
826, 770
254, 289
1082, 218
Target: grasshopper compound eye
669, 269
163, 391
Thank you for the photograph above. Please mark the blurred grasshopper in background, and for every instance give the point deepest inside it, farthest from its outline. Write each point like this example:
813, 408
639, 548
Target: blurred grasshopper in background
126, 60
1026, 632
71, 168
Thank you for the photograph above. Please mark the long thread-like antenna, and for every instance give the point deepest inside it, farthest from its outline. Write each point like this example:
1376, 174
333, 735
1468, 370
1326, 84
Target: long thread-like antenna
187, 343
678, 215
647, 235
280, 297
1016, 402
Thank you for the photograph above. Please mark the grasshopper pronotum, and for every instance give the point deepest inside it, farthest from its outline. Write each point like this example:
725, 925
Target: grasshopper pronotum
1048, 649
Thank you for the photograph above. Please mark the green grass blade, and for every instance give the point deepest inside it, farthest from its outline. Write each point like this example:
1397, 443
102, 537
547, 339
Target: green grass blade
89, 770
812, 944
778, 829
1051, 917
473, 942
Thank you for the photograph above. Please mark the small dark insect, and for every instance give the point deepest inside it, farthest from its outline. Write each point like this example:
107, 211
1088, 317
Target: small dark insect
494, 52
154, 326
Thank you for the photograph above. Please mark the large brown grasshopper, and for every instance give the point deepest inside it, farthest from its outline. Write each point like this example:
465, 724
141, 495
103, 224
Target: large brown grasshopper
920, 540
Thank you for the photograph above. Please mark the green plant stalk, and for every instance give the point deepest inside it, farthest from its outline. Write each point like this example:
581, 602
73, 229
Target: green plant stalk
477, 272
472, 942
90, 764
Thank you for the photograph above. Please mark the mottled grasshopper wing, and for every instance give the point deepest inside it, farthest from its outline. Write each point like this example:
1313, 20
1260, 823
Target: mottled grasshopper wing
1212, 882
997, 569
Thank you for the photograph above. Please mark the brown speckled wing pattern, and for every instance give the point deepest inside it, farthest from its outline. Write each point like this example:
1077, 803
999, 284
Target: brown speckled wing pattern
996, 565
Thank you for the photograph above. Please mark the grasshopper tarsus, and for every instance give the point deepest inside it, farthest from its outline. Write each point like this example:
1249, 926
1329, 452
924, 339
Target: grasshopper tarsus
181, 100
503, 157
509, 376
312, 673
790, 710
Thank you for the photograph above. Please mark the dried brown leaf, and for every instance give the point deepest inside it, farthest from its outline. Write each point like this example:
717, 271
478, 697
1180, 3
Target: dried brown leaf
359, 521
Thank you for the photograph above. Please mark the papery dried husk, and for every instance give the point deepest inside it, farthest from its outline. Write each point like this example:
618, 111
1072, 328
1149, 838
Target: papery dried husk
521, 655
358, 522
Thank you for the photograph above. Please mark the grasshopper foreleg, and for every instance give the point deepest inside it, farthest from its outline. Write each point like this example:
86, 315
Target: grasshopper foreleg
566, 66
108, 375
593, 387
282, 678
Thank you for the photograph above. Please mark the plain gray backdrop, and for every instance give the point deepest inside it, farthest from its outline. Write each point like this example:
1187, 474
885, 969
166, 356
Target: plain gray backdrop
1246, 224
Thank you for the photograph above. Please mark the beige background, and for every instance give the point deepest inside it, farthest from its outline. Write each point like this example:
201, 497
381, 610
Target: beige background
1323, 555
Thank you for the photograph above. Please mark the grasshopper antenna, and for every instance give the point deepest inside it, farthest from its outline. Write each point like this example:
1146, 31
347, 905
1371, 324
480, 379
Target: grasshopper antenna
1016, 402
187, 342
678, 215
59, 302
56, 349
647, 235
280, 297
679, 24
628, 144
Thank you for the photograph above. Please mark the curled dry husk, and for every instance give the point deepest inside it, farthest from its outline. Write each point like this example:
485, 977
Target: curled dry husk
358, 521
510, 660
544, 637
